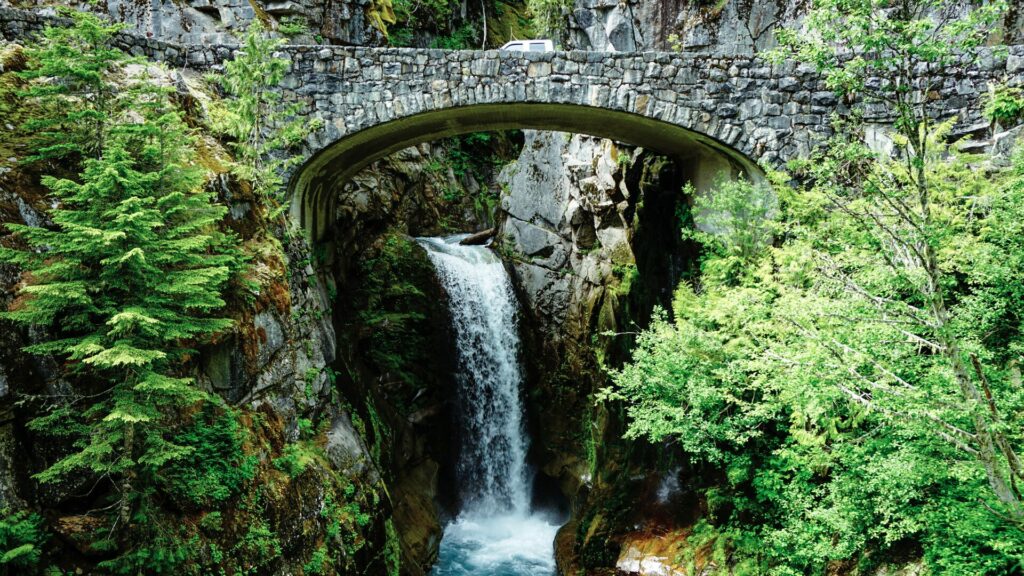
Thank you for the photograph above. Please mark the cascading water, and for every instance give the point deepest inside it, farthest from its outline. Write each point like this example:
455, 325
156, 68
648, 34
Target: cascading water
495, 534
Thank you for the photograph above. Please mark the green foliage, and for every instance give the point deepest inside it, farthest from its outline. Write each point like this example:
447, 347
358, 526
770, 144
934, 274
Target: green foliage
736, 222
477, 156
627, 274
293, 26
392, 549
22, 538
296, 457
394, 307
821, 384
131, 273
216, 467
156, 552
259, 546
317, 563
72, 71
465, 37
412, 16
256, 120
345, 518
212, 522
550, 18
858, 384
1005, 104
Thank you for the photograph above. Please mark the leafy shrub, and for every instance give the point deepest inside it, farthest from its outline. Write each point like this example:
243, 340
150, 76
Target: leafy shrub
259, 546
21, 541
463, 38
317, 562
394, 307
736, 221
294, 26
1004, 104
295, 458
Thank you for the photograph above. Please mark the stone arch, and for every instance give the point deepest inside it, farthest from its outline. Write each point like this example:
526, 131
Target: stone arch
312, 185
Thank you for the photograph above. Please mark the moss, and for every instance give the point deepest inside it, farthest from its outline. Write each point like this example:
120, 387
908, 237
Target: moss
381, 14
381, 434
392, 550
14, 110
262, 15
626, 274
508, 21
212, 156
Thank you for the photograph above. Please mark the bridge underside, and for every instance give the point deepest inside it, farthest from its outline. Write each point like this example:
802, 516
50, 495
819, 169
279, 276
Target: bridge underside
313, 188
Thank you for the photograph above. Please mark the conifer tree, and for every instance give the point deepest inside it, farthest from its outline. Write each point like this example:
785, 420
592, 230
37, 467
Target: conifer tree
254, 118
130, 274
73, 68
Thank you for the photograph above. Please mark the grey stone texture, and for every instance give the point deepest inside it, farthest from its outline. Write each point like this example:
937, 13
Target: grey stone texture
740, 105
214, 22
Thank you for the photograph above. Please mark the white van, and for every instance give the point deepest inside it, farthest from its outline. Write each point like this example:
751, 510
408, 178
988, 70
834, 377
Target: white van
529, 46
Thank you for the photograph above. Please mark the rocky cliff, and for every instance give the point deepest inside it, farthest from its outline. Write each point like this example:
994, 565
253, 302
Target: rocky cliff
216, 21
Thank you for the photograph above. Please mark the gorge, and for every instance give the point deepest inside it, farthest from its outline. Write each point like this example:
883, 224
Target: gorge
738, 303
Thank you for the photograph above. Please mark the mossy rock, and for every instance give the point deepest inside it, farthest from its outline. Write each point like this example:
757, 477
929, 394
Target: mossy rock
508, 21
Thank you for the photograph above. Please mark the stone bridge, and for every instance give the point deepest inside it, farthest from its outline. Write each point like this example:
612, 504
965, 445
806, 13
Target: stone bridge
731, 113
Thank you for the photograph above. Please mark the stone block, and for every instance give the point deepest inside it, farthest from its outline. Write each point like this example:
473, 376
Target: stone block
537, 69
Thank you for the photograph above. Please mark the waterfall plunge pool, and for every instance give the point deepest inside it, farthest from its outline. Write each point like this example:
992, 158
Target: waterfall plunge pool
505, 545
496, 533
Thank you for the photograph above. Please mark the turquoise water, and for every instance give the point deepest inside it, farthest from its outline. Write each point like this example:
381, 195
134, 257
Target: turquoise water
508, 545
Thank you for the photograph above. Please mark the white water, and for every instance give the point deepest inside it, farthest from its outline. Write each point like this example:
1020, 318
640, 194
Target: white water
495, 534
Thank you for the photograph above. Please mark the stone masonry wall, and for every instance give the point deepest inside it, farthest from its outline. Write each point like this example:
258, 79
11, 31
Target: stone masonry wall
770, 113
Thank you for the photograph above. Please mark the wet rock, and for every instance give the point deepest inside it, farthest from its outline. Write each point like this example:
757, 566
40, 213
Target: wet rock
644, 562
78, 531
9, 455
271, 335
478, 238
416, 518
346, 451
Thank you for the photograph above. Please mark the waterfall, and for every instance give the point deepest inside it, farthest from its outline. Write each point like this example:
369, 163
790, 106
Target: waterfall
492, 463
495, 533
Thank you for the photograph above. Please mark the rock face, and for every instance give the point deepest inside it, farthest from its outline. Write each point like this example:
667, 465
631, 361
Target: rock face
592, 231
568, 219
699, 27
200, 22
